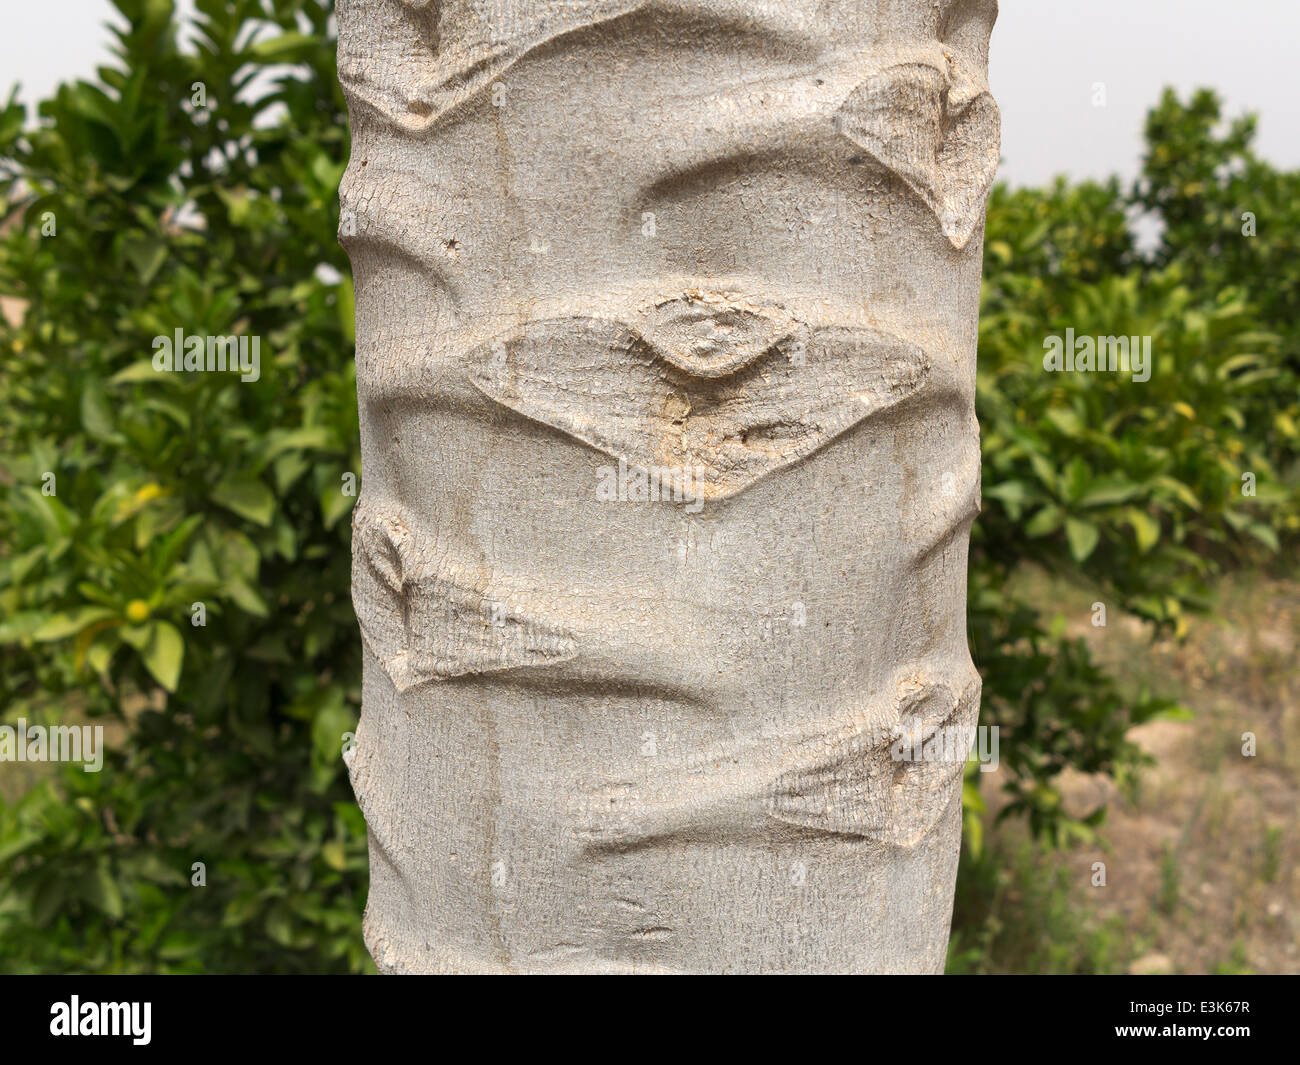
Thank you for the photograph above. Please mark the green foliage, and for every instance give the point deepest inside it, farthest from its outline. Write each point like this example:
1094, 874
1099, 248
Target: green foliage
1201, 178
135, 210
1016, 911
174, 489
1135, 489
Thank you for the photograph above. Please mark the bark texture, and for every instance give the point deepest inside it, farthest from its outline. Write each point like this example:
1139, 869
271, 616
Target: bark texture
666, 324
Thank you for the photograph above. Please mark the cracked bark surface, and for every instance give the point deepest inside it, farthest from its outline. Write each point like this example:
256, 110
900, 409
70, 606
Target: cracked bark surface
666, 329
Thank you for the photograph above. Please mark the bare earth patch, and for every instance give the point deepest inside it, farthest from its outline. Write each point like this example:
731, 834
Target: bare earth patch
1201, 859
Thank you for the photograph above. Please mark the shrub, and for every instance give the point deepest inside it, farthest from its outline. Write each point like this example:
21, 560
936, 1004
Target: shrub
176, 489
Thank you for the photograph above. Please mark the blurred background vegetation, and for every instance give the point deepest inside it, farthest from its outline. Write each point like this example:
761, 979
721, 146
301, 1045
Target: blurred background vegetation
131, 209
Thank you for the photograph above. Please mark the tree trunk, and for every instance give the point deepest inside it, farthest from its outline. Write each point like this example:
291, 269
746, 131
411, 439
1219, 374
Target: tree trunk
666, 329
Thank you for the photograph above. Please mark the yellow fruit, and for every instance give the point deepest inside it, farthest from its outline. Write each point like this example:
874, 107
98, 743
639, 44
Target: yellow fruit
137, 611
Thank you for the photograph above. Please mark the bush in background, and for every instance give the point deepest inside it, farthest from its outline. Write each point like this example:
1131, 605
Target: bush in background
215, 212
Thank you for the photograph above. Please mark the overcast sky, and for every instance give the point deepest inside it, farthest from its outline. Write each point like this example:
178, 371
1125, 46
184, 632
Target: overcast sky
1047, 57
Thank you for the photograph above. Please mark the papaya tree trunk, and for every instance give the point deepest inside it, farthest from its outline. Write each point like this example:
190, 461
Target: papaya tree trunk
666, 329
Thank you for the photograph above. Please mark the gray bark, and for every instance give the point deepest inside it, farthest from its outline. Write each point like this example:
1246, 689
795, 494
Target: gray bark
666, 328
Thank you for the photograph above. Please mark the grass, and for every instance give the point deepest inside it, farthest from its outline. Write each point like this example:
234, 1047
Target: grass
1018, 910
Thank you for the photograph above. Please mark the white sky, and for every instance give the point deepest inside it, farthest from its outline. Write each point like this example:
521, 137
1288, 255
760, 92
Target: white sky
1047, 56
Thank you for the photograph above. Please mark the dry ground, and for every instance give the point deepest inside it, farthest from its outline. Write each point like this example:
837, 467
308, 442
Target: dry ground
1203, 858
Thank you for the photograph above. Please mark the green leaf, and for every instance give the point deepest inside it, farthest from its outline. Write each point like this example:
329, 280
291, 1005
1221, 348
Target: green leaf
247, 496
147, 256
279, 925
1082, 536
96, 417
1108, 490
137, 636
14, 843
62, 625
1013, 495
100, 654
179, 946
1145, 528
1046, 521
1180, 491
332, 720
162, 655
308, 437
23, 624
139, 371
242, 594
1264, 534
105, 894
290, 47
334, 504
